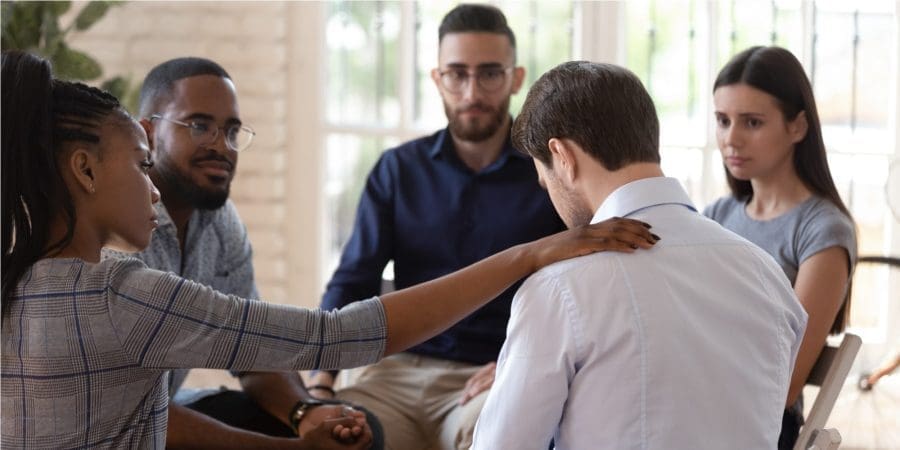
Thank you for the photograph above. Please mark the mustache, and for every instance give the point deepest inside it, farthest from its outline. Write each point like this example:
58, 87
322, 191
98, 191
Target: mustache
476, 106
214, 156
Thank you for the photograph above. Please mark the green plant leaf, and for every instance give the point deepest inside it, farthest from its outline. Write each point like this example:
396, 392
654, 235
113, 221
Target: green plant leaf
58, 8
22, 24
117, 86
34, 26
7, 10
90, 14
72, 64
132, 99
123, 89
52, 36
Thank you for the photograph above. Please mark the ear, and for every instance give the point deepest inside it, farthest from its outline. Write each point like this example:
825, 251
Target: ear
565, 165
798, 127
518, 78
148, 127
436, 78
81, 163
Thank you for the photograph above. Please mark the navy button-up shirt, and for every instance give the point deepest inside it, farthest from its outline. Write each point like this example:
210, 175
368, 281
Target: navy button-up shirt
423, 208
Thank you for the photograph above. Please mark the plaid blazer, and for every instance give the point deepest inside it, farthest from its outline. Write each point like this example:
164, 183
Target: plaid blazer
86, 348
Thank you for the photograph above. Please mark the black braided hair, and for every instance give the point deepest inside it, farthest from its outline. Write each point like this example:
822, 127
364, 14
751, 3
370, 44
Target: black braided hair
41, 116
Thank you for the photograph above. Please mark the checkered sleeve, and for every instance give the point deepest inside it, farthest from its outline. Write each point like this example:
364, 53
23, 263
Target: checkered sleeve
164, 321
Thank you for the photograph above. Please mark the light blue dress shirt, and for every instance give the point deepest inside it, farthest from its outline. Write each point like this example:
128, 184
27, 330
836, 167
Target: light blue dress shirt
688, 345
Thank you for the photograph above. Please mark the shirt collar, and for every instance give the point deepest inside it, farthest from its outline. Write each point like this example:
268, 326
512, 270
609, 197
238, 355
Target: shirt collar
641, 194
443, 146
198, 220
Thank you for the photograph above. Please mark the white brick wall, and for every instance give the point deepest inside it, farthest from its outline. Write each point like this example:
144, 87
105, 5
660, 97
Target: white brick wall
253, 41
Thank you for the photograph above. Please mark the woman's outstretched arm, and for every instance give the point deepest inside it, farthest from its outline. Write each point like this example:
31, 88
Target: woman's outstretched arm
422, 311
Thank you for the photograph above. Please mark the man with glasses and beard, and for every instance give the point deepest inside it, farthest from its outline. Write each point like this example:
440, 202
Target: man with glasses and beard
434, 205
189, 109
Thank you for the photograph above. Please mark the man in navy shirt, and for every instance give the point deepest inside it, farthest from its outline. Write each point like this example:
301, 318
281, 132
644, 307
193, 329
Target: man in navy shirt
434, 205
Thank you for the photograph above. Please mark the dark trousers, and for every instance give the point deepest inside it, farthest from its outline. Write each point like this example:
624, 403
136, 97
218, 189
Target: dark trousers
237, 409
791, 422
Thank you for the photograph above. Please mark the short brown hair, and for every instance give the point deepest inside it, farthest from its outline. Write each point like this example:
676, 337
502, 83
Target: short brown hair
475, 18
603, 108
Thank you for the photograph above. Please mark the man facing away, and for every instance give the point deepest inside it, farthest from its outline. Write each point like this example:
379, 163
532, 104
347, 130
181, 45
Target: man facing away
189, 109
687, 346
434, 205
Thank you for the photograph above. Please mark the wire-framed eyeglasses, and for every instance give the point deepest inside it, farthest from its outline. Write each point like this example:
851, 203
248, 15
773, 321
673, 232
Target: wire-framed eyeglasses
489, 79
205, 131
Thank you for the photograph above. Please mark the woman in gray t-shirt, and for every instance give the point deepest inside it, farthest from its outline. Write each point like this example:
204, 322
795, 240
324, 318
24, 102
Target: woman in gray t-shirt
783, 198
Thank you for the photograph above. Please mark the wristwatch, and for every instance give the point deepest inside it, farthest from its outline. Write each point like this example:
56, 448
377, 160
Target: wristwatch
299, 410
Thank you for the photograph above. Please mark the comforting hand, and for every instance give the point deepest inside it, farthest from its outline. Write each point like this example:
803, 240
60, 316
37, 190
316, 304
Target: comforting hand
616, 234
338, 434
479, 382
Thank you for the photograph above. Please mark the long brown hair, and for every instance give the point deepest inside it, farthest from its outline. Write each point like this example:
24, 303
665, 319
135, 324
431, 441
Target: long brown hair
778, 73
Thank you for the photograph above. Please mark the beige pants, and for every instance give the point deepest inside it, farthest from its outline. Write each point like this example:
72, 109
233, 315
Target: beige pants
416, 398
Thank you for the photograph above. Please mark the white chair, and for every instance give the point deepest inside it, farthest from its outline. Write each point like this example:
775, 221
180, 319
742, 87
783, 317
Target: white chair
828, 373
827, 439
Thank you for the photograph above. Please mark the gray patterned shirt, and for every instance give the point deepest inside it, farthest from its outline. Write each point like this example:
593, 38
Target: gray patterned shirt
86, 348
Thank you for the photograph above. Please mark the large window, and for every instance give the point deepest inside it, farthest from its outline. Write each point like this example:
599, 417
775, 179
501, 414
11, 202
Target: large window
849, 50
379, 92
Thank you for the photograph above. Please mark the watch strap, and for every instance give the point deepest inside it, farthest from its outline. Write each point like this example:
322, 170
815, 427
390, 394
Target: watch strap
299, 410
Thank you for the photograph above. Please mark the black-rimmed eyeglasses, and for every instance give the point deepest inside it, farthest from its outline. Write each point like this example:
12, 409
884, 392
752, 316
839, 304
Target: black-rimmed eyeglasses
204, 132
489, 79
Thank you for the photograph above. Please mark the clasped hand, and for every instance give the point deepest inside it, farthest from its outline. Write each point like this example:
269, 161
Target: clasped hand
335, 427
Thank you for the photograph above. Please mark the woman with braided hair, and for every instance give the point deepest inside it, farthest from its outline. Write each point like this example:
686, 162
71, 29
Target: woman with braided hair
87, 343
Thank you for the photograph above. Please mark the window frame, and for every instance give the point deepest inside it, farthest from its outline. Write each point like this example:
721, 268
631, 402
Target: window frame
599, 34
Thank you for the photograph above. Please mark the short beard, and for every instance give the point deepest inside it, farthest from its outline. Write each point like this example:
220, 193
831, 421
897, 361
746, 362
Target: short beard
189, 192
471, 132
579, 217
573, 209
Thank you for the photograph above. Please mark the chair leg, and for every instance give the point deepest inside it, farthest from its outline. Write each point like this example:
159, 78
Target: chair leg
827, 439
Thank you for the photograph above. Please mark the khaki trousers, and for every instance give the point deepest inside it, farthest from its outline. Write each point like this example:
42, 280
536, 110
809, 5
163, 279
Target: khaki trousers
416, 398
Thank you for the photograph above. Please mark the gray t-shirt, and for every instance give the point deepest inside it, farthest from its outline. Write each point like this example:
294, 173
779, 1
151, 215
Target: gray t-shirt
791, 238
